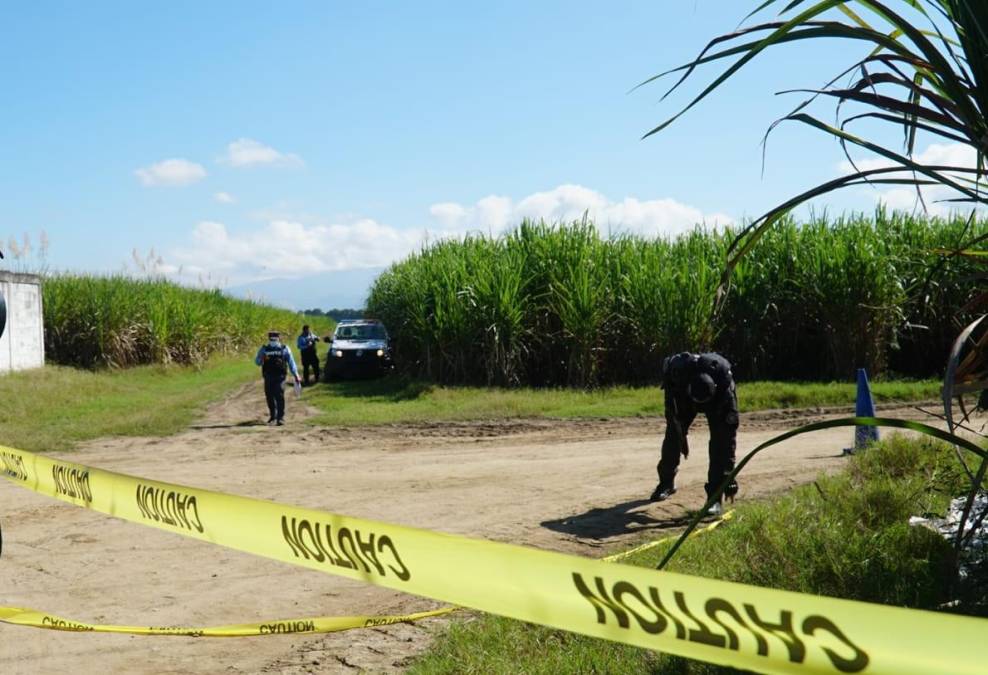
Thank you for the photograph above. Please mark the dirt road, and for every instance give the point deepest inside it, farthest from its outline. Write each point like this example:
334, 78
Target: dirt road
570, 486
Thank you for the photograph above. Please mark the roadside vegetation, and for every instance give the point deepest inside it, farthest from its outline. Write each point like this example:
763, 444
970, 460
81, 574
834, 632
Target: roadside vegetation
394, 400
121, 321
562, 304
846, 536
56, 407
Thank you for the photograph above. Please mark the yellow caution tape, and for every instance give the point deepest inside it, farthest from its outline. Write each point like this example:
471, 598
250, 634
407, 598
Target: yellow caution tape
324, 624
726, 623
23, 616
617, 557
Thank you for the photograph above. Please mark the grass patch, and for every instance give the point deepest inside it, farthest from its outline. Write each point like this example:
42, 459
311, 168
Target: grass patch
847, 537
55, 407
395, 399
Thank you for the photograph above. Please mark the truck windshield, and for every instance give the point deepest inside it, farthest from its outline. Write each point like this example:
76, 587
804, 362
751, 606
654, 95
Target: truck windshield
361, 332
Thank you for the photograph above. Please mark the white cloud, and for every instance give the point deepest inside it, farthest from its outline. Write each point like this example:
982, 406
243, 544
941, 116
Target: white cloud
284, 248
943, 154
246, 152
568, 203
906, 198
224, 198
287, 247
171, 172
449, 214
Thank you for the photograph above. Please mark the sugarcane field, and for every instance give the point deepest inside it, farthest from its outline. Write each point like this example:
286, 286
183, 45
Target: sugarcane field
520, 338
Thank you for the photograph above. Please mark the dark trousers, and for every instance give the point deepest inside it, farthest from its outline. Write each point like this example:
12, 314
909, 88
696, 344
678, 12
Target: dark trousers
274, 392
310, 359
722, 416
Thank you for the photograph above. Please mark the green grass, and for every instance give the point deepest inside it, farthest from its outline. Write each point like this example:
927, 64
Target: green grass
55, 407
771, 395
847, 536
395, 399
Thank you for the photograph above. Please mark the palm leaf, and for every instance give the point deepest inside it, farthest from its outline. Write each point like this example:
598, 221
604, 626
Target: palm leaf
921, 78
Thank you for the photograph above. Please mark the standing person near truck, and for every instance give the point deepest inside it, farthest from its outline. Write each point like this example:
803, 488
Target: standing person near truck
307, 348
699, 383
275, 360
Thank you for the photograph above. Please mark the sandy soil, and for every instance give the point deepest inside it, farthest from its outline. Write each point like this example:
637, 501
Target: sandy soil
574, 486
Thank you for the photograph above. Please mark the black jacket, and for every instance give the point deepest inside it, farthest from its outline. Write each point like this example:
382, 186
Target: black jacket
679, 371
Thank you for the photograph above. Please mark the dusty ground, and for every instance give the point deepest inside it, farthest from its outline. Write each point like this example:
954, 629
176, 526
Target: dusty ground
569, 486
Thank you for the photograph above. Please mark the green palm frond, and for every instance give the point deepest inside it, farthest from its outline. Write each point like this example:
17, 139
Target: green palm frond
927, 72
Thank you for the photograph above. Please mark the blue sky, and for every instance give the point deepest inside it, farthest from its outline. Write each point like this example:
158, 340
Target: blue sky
247, 140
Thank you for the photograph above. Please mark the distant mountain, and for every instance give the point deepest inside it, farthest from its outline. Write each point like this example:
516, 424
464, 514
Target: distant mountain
327, 290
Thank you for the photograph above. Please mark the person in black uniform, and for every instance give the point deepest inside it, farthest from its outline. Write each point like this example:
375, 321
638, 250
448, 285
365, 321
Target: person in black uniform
310, 359
697, 383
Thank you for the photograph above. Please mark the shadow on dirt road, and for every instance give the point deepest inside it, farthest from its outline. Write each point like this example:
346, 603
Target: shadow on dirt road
613, 521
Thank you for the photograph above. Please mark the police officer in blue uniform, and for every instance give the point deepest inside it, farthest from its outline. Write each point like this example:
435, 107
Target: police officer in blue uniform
696, 383
275, 360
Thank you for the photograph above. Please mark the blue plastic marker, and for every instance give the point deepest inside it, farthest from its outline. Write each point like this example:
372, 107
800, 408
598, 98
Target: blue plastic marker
863, 407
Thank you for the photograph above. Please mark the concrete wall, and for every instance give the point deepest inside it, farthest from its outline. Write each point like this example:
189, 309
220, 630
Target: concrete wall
23, 343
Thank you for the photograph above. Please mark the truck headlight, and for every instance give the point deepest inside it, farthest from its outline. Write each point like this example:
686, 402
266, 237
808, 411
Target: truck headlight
339, 353
380, 352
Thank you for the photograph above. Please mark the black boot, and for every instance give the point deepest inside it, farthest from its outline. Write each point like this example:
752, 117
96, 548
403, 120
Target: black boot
662, 492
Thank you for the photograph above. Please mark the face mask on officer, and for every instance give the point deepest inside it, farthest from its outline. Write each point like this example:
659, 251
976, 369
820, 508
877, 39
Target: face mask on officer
274, 340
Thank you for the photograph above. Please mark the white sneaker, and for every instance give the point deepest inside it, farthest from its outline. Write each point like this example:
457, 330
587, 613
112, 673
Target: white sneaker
716, 509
